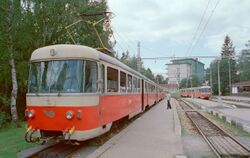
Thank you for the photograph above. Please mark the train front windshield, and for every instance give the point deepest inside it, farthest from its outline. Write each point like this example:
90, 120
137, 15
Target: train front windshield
205, 90
64, 76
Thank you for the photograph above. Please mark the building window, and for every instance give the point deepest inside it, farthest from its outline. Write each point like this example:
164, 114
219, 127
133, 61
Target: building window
112, 80
123, 82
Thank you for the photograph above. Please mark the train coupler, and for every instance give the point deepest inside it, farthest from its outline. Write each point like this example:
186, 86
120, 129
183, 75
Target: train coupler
67, 136
31, 136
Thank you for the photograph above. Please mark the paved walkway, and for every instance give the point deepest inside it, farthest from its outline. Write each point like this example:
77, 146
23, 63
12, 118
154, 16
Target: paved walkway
236, 98
156, 134
240, 116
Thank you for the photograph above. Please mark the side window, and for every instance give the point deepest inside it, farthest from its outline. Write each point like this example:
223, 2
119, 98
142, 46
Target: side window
90, 82
129, 83
147, 88
134, 84
103, 78
139, 85
112, 80
123, 82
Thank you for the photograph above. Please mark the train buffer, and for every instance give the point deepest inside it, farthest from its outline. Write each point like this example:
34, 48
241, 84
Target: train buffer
155, 134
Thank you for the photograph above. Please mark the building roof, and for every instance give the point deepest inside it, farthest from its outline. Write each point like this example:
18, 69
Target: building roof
178, 64
185, 59
242, 83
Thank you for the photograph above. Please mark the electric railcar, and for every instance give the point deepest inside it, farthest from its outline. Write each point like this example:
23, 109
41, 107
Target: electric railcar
76, 93
203, 92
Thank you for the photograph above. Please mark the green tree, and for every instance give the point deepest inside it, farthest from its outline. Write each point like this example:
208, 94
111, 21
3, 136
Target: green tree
29, 24
227, 66
131, 62
160, 79
244, 63
10, 18
148, 73
193, 81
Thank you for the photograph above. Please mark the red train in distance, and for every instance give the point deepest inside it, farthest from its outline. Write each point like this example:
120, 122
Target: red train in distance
76, 93
203, 92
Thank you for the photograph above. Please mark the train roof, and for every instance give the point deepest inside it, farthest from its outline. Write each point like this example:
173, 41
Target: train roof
68, 51
196, 87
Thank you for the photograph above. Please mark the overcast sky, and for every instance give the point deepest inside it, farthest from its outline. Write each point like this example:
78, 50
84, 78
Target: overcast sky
167, 27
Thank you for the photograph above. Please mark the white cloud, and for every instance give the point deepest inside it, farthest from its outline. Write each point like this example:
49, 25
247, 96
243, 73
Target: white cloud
154, 21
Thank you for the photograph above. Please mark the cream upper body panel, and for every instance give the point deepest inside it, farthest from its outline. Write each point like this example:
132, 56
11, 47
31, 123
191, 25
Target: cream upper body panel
69, 51
64, 51
67, 100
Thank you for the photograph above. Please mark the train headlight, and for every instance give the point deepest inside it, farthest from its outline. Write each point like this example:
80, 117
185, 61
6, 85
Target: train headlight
69, 115
29, 113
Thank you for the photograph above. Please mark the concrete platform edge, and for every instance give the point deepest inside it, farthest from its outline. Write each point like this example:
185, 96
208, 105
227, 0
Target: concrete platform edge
232, 121
177, 123
227, 118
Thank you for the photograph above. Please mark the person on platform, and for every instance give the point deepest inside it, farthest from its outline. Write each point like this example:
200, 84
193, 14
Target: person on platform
168, 95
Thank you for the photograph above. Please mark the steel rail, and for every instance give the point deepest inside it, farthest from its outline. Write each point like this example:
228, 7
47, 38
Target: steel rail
211, 145
205, 138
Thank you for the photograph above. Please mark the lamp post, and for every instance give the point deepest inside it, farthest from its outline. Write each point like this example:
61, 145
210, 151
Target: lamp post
229, 73
211, 78
218, 69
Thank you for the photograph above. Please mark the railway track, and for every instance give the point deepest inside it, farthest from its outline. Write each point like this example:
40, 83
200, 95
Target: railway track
222, 143
60, 150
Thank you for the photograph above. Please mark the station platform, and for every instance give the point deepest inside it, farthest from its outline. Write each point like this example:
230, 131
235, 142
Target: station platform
236, 98
231, 102
157, 133
237, 116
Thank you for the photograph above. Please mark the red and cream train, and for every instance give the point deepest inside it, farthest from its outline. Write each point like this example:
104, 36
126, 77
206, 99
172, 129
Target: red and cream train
76, 93
203, 92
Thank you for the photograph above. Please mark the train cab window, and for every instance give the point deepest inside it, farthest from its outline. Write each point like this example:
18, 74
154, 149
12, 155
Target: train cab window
123, 82
112, 80
129, 83
134, 84
208, 90
90, 73
64, 76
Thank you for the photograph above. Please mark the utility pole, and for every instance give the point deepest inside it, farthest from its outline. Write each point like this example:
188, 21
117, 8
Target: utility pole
186, 78
211, 79
229, 72
139, 61
218, 67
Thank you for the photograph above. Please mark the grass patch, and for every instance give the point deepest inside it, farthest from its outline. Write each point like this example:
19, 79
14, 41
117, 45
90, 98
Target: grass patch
236, 131
12, 140
176, 95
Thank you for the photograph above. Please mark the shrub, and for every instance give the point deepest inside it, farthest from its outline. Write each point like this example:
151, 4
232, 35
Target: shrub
4, 108
4, 117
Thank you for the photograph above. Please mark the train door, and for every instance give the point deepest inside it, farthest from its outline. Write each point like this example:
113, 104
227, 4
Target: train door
142, 95
102, 87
